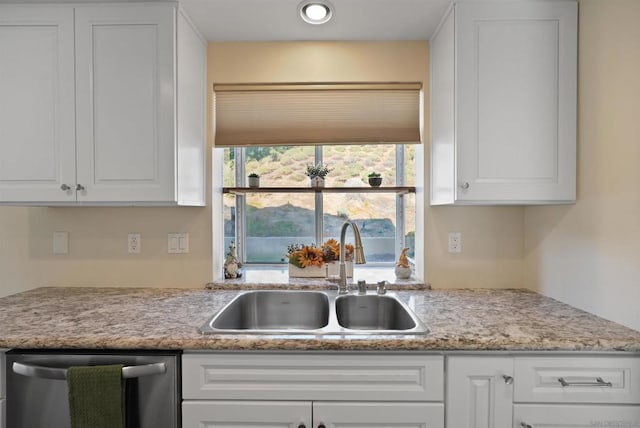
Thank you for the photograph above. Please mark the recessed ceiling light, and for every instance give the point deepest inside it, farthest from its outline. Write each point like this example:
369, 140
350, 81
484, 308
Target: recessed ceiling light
315, 12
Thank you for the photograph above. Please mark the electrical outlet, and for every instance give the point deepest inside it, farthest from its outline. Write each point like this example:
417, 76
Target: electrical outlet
134, 243
60, 242
455, 242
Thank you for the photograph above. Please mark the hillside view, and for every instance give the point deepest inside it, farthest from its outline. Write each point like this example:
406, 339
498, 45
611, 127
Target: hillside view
291, 216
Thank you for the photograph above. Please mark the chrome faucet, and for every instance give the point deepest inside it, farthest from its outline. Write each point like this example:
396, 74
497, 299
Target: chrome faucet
358, 254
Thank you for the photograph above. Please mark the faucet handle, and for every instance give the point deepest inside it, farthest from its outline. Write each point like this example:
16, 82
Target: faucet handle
382, 287
362, 287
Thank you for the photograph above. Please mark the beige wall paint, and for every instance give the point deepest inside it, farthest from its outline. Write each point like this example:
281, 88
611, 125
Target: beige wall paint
98, 247
492, 236
588, 254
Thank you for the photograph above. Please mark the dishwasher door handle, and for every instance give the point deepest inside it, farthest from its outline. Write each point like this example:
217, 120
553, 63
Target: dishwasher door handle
128, 372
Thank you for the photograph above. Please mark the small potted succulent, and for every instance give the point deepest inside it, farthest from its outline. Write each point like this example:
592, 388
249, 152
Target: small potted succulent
254, 180
317, 173
375, 179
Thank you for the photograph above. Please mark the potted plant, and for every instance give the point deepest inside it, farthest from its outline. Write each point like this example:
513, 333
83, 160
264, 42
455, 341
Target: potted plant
375, 179
254, 180
317, 173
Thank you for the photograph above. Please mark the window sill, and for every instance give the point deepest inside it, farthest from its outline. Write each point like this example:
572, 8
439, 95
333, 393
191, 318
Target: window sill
255, 277
381, 189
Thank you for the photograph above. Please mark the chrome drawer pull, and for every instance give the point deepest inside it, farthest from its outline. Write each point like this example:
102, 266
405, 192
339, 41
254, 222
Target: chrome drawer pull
525, 425
128, 372
598, 382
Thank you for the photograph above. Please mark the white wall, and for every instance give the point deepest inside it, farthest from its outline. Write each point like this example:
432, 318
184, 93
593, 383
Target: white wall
588, 254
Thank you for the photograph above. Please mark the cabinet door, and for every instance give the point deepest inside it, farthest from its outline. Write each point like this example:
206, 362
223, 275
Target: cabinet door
576, 416
246, 414
125, 102
516, 101
37, 123
388, 415
479, 392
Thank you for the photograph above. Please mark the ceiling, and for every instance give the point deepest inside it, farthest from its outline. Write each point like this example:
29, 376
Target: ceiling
278, 20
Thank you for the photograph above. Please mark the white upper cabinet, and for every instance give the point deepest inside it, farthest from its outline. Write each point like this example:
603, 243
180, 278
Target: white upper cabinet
37, 105
503, 104
119, 142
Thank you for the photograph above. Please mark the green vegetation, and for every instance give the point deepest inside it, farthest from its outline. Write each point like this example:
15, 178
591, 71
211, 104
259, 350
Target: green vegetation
286, 166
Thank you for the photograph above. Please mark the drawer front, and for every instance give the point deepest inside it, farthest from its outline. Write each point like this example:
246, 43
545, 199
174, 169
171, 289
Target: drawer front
575, 416
577, 380
270, 376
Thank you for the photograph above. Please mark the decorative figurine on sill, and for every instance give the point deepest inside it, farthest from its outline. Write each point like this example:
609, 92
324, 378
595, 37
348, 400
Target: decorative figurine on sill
231, 263
403, 270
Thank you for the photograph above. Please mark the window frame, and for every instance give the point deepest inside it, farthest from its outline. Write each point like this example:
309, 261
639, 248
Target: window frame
241, 207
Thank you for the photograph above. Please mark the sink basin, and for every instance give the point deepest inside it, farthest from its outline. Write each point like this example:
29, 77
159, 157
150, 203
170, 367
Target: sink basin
273, 310
313, 313
373, 313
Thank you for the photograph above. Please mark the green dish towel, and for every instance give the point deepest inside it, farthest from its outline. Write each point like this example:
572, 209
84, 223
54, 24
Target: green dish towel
96, 396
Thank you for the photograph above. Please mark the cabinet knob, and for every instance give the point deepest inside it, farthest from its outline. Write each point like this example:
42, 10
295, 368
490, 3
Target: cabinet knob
65, 187
302, 426
507, 379
79, 188
525, 425
321, 426
465, 185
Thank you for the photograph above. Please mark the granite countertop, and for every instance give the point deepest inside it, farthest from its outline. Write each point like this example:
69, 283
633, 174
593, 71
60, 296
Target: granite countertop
154, 318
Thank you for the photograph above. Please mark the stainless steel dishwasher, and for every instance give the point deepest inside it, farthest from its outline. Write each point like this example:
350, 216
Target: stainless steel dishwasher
37, 389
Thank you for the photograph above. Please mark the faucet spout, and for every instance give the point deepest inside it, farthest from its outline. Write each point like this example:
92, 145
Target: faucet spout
358, 255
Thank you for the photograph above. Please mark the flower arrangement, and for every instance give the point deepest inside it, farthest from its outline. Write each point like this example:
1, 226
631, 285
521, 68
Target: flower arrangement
302, 256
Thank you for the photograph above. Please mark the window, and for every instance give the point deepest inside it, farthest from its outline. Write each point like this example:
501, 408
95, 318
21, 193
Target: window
264, 224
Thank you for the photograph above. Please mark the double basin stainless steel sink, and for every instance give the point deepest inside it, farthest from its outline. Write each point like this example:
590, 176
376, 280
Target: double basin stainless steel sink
314, 313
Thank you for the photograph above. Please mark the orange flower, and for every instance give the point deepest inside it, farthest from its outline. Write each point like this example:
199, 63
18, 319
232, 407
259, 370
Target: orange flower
295, 257
331, 250
349, 250
311, 257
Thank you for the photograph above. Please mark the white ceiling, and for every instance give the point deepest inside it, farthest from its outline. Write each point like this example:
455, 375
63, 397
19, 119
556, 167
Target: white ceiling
278, 20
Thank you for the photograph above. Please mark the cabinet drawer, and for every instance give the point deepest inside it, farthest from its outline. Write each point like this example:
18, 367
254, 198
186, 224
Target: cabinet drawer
577, 380
310, 376
575, 416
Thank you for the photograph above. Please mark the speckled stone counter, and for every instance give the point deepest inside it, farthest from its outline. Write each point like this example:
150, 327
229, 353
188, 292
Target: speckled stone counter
151, 318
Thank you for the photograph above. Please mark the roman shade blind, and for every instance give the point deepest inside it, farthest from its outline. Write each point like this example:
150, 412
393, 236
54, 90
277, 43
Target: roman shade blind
332, 113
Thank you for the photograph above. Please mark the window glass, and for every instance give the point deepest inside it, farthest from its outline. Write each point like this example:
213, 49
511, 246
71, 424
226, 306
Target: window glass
276, 220
273, 221
375, 216
282, 166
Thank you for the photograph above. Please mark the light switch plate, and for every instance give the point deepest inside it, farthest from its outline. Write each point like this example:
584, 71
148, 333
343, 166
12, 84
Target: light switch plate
60, 242
178, 243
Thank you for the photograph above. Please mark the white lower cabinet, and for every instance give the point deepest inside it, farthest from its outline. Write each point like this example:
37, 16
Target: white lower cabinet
542, 391
479, 392
312, 389
405, 389
575, 416
239, 414
292, 414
